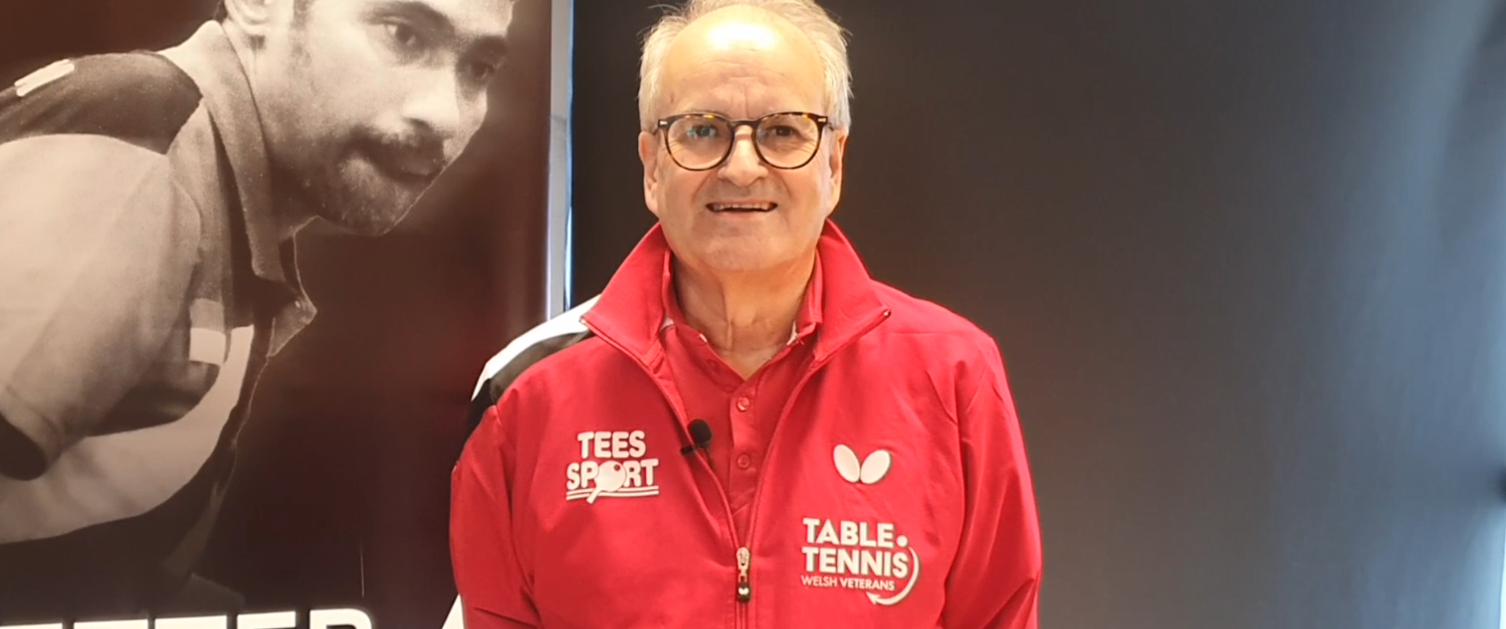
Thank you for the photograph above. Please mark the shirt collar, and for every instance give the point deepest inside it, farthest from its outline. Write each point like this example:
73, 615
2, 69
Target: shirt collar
209, 58
806, 321
842, 302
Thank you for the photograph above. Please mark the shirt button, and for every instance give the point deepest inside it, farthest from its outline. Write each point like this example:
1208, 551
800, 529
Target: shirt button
743, 403
744, 461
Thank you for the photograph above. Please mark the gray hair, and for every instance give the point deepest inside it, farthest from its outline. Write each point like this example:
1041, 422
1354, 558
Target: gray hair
806, 15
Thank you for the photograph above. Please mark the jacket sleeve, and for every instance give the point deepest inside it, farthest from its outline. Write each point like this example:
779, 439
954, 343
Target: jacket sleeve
995, 580
493, 588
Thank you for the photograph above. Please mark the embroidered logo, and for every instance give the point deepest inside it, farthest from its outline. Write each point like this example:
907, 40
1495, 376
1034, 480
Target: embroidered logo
864, 556
859, 556
612, 466
870, 471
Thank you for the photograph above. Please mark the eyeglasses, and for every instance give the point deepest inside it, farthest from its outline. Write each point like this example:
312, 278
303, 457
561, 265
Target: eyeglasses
785, 140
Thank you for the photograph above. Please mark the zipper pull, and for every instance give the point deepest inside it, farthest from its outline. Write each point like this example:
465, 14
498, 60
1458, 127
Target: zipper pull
744, 588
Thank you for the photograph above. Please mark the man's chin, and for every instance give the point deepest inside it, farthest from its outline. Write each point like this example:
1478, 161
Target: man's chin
368, 220
367, 228
368, 210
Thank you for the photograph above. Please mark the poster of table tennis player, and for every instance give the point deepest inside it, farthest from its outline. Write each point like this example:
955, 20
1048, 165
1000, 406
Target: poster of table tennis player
252, 253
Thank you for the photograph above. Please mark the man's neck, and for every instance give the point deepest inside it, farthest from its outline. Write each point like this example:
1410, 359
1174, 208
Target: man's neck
289, 212
290, 215
746, 318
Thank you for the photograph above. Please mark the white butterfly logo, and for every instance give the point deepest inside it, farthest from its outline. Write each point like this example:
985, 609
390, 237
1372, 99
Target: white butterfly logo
868, 472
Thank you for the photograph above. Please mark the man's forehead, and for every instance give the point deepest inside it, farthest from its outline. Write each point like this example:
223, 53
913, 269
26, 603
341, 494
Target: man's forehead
743, 28
742, 51
478, 18
741, 35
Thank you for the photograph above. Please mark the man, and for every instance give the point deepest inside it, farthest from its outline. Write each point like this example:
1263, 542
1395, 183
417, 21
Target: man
744, 429
148, 207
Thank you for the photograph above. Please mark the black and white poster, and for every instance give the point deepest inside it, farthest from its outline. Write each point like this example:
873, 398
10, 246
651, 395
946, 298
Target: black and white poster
252, 255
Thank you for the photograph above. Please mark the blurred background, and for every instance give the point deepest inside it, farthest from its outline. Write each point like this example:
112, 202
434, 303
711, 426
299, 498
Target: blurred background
1246, 262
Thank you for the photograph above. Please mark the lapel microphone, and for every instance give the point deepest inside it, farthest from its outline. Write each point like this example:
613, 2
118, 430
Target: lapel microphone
700, 436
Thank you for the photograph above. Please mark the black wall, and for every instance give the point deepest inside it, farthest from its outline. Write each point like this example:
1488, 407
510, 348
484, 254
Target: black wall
1246, 263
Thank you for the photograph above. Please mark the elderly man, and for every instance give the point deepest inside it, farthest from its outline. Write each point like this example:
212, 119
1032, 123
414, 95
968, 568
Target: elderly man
744, 429
148, 206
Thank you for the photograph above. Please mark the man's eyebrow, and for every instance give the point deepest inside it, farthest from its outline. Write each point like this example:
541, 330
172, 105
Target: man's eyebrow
429, 17
419, 11
701, 111
490, 46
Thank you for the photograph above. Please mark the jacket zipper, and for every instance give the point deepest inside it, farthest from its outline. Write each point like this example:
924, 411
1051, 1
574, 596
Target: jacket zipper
744, 561
744, 553
789, 404
744, 557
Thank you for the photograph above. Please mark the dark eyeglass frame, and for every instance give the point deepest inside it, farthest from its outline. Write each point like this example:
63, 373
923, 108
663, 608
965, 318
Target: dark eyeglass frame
662, 129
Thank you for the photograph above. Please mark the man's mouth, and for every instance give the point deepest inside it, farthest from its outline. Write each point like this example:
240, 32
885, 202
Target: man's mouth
742, 207
411, 171
411, 167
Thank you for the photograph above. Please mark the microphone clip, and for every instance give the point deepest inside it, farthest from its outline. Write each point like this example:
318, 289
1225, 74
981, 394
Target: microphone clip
700, 437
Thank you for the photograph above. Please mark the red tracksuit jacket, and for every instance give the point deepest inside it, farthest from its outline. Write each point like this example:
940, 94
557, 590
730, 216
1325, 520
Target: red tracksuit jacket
896, 493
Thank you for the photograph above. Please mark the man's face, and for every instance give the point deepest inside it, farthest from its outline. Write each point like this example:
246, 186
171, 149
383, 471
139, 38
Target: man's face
742, 63
364, 102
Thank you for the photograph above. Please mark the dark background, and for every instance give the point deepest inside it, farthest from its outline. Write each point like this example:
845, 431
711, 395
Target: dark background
341, 494
1246, 262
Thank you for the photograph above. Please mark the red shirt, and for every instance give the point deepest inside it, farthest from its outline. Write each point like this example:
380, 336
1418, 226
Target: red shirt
741, 413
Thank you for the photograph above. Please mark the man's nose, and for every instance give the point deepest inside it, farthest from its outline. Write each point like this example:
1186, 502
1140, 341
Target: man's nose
743, 165
435, 102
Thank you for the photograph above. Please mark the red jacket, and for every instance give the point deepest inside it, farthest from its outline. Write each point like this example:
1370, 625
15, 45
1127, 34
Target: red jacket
896, 494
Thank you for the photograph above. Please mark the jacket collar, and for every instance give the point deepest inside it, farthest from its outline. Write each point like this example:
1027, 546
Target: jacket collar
631, 311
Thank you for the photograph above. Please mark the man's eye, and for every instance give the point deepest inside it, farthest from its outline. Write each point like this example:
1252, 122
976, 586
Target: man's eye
482, 72
701, 131
402, 35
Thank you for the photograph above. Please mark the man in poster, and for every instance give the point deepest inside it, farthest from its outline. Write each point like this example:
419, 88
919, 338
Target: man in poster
148, 204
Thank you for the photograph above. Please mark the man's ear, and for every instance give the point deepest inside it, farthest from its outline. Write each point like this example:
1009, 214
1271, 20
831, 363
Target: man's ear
252, 16
648, 153
837, 158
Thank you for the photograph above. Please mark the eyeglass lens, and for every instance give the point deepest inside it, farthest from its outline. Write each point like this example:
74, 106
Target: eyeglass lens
784, 140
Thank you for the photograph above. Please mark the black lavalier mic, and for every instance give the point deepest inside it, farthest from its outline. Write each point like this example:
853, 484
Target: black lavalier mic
700, 436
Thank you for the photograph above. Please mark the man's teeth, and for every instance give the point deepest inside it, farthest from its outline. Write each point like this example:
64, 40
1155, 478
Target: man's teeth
741, 207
